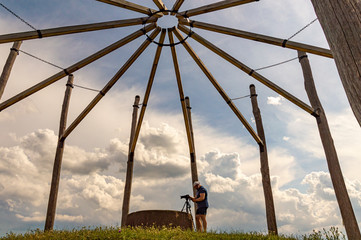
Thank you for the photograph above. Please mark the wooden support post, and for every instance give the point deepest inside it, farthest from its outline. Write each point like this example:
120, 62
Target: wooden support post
74, 29
344, 203
258, 37
248, 70
218, 87
148, 90
130, 163
176, 6
75, 67
194, 170
53, 196
8, 66
186, 114
266, 180
111, 83
132, 6
341, 23
214, 7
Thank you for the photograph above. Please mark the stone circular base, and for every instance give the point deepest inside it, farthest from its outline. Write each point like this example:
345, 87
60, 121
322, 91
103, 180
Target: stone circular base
160, 218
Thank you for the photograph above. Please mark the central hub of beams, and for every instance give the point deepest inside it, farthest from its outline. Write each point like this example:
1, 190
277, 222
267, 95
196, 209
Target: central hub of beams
167, 21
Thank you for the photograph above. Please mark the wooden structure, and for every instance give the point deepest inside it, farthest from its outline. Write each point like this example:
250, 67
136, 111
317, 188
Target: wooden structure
339, 186
130, 164
53, 196
8, 66
186, 25
341, 22
266, 179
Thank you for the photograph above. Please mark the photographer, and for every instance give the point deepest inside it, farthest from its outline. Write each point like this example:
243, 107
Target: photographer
202, 205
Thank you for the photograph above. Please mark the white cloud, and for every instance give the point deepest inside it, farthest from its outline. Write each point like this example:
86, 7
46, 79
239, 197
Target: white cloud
95, 198
274, 100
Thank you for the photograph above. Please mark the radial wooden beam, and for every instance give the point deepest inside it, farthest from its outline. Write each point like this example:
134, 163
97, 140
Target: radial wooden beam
75, 67
248, 70
214, 7
176, 6
50, 32
186, 114
148, 90
180, 90
218, 87
161, 6
259, 38
111, 83
132, 6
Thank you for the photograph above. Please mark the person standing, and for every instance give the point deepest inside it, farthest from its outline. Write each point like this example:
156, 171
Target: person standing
201, 200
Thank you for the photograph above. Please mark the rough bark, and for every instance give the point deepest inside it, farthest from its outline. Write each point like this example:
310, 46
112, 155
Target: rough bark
343, 200
266, 180
341, 23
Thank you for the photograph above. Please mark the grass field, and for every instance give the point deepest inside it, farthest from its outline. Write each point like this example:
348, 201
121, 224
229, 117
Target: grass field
163, 233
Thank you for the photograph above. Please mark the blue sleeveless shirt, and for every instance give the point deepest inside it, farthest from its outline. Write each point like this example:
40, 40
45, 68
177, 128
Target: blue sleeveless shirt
204, 203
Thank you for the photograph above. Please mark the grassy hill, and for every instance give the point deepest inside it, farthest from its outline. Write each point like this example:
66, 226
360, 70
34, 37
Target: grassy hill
163, 233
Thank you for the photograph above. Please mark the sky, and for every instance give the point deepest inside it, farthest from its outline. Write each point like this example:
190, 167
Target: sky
94, 163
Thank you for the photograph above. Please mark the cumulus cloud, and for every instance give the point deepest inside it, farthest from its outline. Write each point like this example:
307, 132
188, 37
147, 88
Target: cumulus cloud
95, 197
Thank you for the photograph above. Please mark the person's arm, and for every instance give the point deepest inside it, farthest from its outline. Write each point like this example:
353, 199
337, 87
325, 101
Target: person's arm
202, 196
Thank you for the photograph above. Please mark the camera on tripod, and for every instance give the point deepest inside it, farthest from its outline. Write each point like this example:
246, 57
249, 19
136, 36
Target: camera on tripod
185, 196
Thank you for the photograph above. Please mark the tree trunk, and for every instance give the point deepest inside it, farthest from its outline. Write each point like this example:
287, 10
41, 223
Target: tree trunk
343, 200
341, 23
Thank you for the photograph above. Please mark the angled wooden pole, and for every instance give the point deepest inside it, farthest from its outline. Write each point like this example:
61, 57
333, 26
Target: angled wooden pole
75, 67
130, 164
180, 91
343, 200
266, 180
249, 71
214, 7
53, 196
161, 6
341, 23
186, 114
132, 6
194, 170
176, 6
259, 38
148, 90
111, 83
50, 32
218, 87
8, 66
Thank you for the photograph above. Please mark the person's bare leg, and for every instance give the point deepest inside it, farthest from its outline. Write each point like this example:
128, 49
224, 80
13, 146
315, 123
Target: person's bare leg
198, 223
204, 222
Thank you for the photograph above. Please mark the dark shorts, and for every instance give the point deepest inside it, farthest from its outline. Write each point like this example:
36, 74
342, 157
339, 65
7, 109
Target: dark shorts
201, 211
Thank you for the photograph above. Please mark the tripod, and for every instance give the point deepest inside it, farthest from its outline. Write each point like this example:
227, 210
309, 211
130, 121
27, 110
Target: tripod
187, 206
